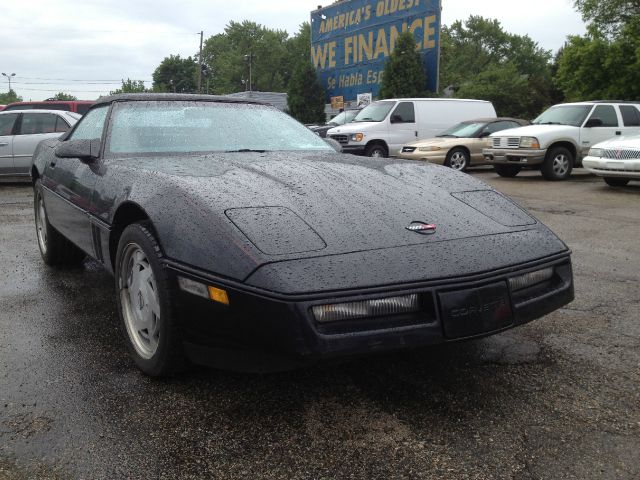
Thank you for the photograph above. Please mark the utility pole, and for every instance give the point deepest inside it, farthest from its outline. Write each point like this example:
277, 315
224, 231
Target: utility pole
200, 64
250, 58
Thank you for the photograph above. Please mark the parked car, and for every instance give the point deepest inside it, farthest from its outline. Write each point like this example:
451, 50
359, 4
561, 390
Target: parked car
341, 119
2, 107
20, 133
239, 238
559, 138
460, 146
616, 160
77, 106
382, 128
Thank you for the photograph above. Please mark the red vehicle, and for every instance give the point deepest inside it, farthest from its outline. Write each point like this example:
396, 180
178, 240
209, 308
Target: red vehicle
2, 107
78, 106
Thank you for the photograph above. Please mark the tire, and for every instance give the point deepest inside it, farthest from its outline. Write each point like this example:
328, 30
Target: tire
376, 150
457, 159
145, 304
558, 164
616, 182
508, 171
55, 249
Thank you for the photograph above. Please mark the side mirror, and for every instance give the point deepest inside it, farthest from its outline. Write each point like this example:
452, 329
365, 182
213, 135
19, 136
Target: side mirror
85, 150
484, 134
593, 122
333, 144
396, 119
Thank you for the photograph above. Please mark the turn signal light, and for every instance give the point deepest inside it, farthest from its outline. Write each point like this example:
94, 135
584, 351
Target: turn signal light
218, 295
380, 307
531, 278
204, 291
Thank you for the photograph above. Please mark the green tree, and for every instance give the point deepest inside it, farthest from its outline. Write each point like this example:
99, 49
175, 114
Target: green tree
403, 74
175, 74
594, 66
246, 46
9, 97
477, 52
130, 86
306, 96
63, 96
608, 16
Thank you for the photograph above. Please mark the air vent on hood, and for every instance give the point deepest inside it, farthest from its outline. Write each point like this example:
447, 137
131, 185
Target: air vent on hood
276, 230
497, 207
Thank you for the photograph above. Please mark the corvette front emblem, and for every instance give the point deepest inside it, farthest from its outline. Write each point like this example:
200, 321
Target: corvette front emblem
422, 228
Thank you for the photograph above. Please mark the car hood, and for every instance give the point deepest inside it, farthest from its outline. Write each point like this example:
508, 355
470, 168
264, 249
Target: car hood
270, 207
535, 131
353, 127
632, 142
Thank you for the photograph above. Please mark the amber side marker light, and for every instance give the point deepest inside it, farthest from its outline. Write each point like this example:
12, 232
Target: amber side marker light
205, 291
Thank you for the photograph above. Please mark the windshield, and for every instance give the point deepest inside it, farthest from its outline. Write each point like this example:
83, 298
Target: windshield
193, 127
463, 130
564, 115
375, 112
344, 117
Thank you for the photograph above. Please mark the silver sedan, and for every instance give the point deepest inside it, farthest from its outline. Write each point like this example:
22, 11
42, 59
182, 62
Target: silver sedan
20, 133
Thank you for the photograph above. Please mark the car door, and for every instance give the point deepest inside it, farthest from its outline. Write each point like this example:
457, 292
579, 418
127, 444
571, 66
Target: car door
70, 183
7, 129
609, 127
402, 126
630, 119
34, 127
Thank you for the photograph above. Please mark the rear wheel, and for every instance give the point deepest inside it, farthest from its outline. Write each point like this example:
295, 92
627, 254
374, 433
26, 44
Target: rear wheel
376, 150
616, 182
558, 164
55, 249
457, 159
144, 298
507, 170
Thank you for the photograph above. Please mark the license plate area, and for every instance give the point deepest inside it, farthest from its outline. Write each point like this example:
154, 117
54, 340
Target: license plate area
474, 311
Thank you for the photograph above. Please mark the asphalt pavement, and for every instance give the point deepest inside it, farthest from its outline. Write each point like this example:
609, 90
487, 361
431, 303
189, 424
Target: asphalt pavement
558, 398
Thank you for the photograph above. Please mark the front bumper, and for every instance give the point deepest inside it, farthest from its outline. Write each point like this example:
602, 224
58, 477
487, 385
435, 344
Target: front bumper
608, 167
438, 157
265, 331
514, 156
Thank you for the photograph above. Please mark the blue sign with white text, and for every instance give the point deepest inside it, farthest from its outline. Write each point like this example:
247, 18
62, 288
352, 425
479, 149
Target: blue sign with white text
351, 41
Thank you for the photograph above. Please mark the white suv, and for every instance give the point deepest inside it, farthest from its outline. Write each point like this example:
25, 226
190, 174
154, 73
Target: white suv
558, 139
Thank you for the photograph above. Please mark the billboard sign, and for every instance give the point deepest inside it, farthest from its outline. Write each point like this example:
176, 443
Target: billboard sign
351, 40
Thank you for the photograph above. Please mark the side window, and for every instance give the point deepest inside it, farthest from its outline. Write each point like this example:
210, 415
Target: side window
6, 123
630, 115
404, 113
606, 113
35, 123
91, 125
61, 125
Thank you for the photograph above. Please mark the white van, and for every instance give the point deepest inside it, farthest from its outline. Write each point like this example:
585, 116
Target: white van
383, 127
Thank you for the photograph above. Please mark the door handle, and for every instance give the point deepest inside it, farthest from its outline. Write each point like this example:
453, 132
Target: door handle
618, 133
416, 132
52, 164
3, 144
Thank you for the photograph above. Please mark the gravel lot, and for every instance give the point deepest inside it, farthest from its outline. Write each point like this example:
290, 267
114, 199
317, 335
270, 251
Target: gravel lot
556, 399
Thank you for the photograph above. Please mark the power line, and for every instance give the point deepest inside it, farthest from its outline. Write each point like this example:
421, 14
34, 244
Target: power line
118, 80
73, 90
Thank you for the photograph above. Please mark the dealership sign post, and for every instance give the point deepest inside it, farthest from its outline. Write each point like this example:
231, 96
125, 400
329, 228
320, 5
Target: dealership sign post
351, 40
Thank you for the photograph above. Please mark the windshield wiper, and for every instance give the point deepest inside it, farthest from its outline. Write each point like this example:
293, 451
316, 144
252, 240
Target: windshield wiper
448, 135
548, 123
241, 150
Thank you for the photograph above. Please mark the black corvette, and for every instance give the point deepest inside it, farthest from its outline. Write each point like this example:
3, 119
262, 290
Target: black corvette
240, 239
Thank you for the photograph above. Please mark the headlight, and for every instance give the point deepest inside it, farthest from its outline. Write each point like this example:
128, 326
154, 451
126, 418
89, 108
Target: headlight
357, 137
429, 149
368, 308
529, 142
595, 152
530, 279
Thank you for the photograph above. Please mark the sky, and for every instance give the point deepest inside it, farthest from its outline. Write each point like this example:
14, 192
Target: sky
85, 47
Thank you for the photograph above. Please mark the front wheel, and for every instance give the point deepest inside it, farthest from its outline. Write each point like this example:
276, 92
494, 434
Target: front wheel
508, 171
376, 151
558, 164
616, 182
457, 159
149, 325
